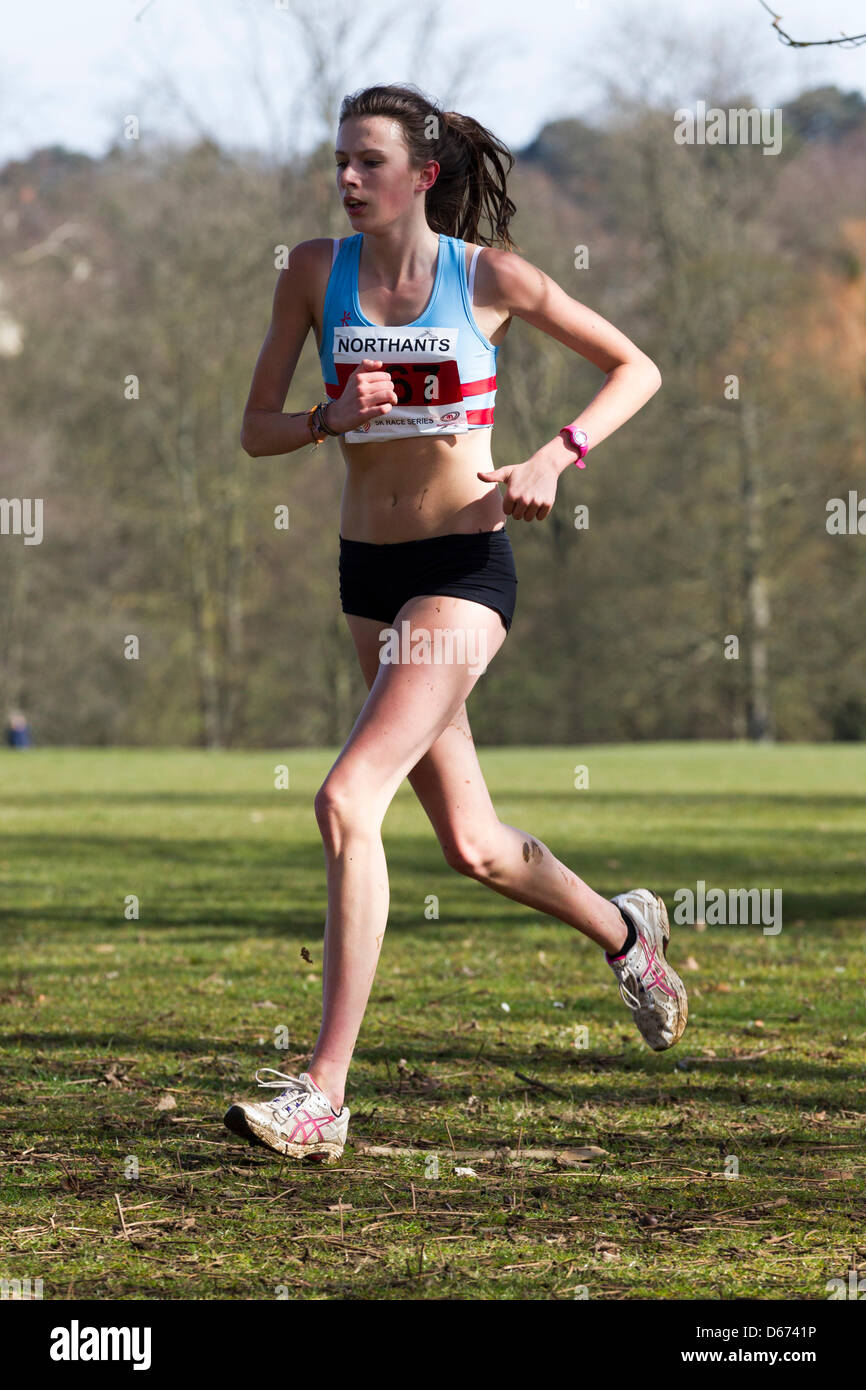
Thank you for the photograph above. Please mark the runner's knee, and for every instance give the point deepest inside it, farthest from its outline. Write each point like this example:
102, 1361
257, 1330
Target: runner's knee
470, 854
340, 807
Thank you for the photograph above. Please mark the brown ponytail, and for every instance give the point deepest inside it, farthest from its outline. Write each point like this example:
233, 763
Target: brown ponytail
473, 164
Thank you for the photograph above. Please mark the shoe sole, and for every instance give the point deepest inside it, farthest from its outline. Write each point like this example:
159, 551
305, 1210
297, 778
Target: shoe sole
236, 1120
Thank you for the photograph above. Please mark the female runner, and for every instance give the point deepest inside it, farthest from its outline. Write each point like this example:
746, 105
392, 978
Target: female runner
409, 314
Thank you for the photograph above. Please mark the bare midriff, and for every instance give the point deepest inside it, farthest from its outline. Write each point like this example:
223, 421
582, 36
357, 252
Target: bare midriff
412, 488
408, 489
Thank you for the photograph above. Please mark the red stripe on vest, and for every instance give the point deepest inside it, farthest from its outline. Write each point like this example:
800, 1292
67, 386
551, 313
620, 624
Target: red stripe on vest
480, 417
478, 388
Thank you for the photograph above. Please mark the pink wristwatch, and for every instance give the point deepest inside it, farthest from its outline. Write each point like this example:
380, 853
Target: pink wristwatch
579, 440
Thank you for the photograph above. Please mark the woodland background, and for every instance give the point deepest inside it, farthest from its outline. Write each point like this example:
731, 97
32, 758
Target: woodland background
707, 515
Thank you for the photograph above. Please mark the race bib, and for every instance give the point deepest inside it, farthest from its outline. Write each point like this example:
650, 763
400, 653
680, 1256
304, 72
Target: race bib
422, 364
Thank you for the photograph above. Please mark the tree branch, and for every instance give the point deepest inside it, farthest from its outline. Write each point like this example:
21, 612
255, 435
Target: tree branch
846, 41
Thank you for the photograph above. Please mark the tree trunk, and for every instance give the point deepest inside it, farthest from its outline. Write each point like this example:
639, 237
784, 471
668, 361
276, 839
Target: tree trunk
12, 610
234, 674
759, 714
201, 594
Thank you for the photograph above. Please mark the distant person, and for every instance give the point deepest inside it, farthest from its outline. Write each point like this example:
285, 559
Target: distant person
409, 313
18, 730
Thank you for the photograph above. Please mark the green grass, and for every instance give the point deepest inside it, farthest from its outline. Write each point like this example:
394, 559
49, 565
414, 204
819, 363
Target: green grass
102, 1017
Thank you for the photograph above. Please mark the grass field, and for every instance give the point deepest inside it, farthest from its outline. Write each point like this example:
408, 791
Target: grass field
125, 1040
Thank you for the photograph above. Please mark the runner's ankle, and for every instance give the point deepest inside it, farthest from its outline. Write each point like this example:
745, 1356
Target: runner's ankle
334, 1093
630, 936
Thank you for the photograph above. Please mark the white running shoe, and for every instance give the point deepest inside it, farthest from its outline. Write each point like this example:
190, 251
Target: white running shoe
649, 986
299, 1121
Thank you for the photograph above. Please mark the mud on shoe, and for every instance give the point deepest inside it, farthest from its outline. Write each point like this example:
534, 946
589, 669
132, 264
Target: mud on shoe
299, 1122
650, 987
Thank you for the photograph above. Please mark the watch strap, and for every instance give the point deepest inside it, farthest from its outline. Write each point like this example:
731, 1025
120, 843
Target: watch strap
567, 432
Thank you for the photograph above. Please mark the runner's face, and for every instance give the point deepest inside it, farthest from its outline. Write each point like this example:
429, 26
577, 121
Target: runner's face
373, 166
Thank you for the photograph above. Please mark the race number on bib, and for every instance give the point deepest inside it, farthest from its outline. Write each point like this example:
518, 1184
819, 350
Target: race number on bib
422, 364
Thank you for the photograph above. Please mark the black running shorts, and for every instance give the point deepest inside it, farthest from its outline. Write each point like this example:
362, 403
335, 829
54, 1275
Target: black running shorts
376, 580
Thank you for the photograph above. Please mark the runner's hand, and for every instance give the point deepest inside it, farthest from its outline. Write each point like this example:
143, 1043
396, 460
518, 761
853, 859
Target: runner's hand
530, 488
368, 393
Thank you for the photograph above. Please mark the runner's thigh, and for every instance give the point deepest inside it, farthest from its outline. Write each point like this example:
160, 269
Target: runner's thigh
411, 703
447, 779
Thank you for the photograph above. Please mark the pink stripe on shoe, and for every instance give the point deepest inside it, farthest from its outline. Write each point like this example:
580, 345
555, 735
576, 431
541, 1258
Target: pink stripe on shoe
657, 979
303, 1126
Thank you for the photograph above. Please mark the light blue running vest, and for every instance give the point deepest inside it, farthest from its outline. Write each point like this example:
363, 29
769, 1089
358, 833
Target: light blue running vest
442, 366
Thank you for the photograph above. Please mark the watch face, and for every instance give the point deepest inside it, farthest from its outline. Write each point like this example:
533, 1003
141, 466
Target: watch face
579, 436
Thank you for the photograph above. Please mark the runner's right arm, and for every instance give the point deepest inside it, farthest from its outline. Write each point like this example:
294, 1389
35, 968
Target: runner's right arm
266, 430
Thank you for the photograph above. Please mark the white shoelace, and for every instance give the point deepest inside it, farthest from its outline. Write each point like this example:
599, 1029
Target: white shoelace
631, 975
296, 1088
627, 996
